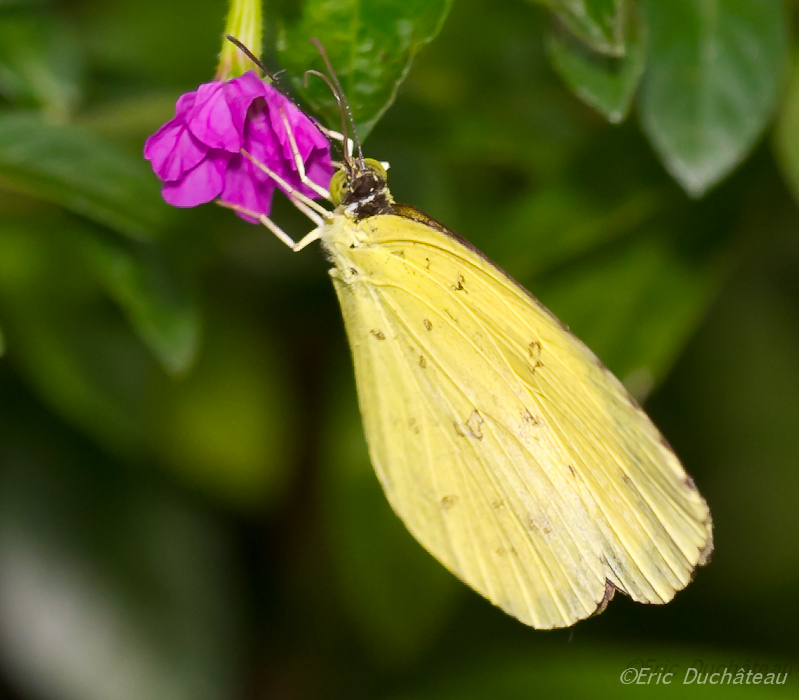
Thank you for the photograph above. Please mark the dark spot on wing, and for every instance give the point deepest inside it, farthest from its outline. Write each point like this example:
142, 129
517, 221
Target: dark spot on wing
571, 469
428, 325
498, 504
538, 525
689, 482
458, 429
413, 426
378, 334
459, 286
448, 501
398, 253
422, 362
529, 419
353, 271
534, 349
475, 425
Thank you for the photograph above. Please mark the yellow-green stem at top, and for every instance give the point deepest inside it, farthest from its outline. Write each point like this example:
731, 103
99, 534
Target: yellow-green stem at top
243, 22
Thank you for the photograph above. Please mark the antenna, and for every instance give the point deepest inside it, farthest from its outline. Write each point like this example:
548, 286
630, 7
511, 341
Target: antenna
249, 54
345, 151
341, 98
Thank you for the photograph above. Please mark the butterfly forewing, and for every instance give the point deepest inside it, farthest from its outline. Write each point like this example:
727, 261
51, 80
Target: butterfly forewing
504, 445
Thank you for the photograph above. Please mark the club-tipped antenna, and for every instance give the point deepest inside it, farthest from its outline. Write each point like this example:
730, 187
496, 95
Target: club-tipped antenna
249, 54
341, 98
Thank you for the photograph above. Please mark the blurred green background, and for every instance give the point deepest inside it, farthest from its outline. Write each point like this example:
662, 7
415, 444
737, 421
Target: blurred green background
187, 508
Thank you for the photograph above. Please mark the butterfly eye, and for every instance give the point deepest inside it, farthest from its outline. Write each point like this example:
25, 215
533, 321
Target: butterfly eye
338, 186
376, 167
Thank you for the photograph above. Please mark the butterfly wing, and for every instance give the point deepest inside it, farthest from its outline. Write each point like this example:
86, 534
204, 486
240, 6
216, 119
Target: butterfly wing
501, 441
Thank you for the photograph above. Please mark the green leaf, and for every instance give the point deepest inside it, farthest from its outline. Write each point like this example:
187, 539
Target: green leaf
607, 83
225, 428
111, 585
370, 44
786, 135
159, 302
715, 68
397, 596
73, 168
554, 226
636, 303
177, 50
73, 346
598, 23
40, 64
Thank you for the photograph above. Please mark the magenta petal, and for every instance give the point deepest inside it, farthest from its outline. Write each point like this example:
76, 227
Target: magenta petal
162, 139
243, 90
173, 151
184, 104
261, 142
200, 185
310, 142
248, 187
320, 170
306, 135
212, 121
240, 93
220, 111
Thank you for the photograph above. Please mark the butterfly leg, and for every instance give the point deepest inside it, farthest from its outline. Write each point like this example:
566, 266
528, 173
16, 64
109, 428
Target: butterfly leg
263, 219
299, 163
274, 228
298, 199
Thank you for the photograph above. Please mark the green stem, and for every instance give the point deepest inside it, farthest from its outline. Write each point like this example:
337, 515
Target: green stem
243, 22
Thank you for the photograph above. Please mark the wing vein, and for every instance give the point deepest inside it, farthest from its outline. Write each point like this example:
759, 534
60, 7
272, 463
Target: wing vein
498, 485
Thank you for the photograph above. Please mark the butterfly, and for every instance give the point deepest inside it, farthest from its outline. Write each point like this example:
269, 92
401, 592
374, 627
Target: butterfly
501, 441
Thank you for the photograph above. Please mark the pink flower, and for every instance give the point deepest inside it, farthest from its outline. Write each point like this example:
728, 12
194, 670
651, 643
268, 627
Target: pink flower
198, 153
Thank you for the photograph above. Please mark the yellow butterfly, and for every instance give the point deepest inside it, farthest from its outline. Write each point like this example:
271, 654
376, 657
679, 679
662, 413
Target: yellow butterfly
505, 446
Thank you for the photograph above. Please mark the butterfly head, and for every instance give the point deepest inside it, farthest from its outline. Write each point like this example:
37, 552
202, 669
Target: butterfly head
360, 188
